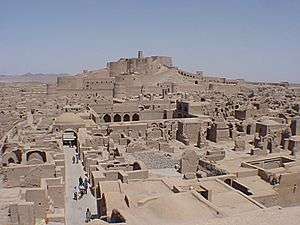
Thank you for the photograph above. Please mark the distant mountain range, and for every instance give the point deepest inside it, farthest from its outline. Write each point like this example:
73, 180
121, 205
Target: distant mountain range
47, 78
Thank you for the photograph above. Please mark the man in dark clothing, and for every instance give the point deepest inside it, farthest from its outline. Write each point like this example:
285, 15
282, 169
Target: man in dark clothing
80, 181
88, 215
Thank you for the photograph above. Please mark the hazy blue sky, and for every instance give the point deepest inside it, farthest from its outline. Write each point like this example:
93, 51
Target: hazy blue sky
255, 40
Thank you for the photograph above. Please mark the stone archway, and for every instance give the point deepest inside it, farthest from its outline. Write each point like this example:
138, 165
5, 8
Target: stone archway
37, 155
69, 138
11, 157
126, 118
154, 125
107, 118
136, 166
10, 160
135, 117
117, 118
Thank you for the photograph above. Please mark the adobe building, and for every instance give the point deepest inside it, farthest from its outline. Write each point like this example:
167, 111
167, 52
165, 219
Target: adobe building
144, 142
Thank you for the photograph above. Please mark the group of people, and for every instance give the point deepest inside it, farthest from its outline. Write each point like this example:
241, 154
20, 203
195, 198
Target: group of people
76, 158
274, 180
82, 188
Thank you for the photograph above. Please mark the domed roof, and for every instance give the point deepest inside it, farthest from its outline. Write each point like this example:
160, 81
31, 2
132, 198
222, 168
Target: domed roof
69, 118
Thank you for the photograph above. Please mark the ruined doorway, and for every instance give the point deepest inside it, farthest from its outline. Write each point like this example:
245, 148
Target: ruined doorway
135, 117
107, 118
117, 118
69, 138
10, 160
126, 118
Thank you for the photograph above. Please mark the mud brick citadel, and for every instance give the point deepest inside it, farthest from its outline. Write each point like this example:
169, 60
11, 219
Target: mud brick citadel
154, 144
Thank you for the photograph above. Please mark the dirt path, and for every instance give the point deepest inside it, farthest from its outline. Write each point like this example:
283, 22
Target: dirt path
75, 210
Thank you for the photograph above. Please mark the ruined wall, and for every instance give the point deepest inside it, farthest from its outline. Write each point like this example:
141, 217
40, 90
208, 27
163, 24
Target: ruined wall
28, 175
39, 198
151, 115
188, 130
227, 89
191, 87
146, 65
22, 213
69, 82
104, 86
289, 189
57, 194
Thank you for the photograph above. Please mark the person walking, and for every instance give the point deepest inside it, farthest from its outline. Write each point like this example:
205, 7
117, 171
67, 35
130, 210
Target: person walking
81, 191
88, 215
86, 182
77, 157
73, 159
75, 191
80, 180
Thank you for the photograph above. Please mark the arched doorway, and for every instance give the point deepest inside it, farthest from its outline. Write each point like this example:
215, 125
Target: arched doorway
37, 155
69, 138
136, 166
135, 117
117, 118
107, 118
126, 117
10, 160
